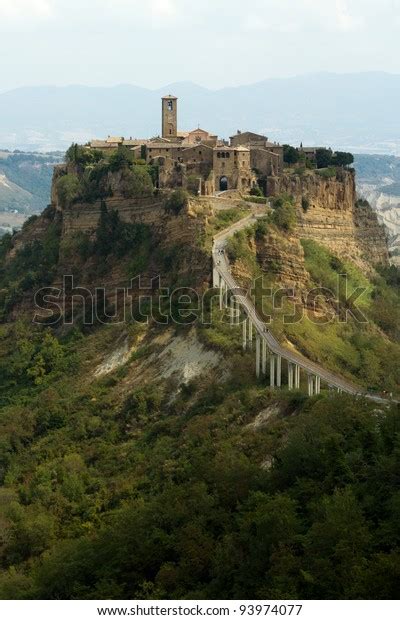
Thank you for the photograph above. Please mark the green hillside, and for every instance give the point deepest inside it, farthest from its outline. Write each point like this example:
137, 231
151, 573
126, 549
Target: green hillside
25, 180
144, 459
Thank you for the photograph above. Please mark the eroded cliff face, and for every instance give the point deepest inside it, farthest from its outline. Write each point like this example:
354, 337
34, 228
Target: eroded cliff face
174, 251
282, 255
328, 212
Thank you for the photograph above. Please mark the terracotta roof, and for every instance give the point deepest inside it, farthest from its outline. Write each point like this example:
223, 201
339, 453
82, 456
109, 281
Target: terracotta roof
169, 97
197, 146
135, 142
99, 143
199, 129
159, 139
249, 133
164, 145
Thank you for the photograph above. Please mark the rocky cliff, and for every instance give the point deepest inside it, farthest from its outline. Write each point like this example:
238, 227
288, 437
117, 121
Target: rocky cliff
329, 213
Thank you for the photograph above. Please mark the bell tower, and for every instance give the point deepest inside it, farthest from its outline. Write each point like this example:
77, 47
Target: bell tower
169, 117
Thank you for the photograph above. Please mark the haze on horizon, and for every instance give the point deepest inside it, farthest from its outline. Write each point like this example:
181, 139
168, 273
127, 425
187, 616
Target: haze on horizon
213, 43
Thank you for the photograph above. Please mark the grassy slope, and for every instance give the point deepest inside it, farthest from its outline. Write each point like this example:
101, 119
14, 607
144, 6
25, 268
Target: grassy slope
368, 352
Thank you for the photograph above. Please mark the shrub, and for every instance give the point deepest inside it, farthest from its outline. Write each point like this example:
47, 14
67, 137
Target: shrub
261, 228
120, 159
176, 201
192, 184
82, 156
256, 199
256, 191
305, 204
68, 189
136, 183
117, 237
284, 215
327, 173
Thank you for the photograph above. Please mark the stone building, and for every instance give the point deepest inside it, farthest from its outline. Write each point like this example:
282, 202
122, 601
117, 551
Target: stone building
169, 117
255, 141
188, 157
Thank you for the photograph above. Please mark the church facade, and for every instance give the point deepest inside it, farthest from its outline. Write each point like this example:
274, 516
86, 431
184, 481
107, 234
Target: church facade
200, 159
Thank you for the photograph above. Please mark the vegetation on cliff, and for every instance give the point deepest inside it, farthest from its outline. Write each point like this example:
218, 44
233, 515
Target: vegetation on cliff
89, 176
364, 346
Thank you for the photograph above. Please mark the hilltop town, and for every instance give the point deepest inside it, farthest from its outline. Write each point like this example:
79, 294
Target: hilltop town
201, 158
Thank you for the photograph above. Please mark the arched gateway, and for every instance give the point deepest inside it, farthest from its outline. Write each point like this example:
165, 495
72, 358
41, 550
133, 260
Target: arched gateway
223, 184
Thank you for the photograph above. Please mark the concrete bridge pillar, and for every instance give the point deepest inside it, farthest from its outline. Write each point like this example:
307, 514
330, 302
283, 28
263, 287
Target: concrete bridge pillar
264, 357
317, 385
310, 380
278, 370
232, 310
272, 370
250, 334
290, 375
296, 377
237, 314
245, 334
258, 348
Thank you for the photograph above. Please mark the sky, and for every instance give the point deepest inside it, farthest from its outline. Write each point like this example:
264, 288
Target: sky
214, 43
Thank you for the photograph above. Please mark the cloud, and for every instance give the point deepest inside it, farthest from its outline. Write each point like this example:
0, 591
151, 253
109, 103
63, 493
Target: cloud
25, 9
163, 9
158, 13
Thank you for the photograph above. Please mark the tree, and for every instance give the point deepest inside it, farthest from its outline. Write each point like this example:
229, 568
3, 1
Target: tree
177, 201
68, 189
256, 191
284, 216
323, 158
290, 154
77, 154
342, 158
120, 159
137, 183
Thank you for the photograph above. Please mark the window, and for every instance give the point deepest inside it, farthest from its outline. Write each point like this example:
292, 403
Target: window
170, 106
228, 155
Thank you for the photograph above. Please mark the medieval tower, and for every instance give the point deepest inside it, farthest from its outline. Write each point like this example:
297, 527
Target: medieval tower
169, 117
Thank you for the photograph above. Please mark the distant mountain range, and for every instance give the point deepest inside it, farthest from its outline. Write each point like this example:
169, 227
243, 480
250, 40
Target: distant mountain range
358, 112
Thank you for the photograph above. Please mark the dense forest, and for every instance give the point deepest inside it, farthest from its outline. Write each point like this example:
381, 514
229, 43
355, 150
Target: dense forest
228, 490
